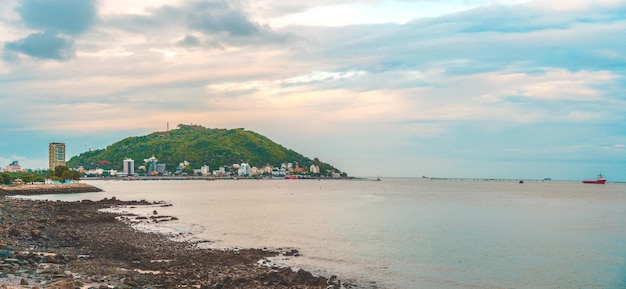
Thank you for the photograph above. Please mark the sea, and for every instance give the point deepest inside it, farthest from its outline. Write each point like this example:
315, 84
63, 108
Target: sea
404, 233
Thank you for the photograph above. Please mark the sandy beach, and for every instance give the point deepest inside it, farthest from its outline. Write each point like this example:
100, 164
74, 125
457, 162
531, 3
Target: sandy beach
46, 244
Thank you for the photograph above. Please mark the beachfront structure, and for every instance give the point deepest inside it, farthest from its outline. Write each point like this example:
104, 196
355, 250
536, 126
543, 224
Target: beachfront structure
314, 169
183, 165
129, 167
13, 167
160, 168
244, 169
151, 165
205, 171
56, 155
220, 172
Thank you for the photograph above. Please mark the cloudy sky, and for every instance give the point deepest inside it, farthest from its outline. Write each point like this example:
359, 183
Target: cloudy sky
449, 88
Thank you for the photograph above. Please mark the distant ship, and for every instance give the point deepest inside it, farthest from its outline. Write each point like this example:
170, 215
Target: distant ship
600, 180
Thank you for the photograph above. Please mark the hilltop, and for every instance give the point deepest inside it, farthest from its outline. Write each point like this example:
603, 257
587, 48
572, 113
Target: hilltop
199, 146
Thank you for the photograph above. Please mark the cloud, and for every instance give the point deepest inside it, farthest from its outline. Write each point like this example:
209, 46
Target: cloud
42, 45
67, 16
204, 23
478, 40
189, 41
504, 82
218, 17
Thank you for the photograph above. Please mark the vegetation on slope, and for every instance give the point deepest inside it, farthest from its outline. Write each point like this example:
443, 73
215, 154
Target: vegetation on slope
199, 146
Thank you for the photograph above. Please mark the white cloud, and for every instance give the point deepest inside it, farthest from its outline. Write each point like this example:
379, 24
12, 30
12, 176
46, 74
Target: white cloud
576, 5
363, 89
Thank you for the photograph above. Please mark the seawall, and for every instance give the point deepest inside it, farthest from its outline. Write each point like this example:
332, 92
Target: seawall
47, 189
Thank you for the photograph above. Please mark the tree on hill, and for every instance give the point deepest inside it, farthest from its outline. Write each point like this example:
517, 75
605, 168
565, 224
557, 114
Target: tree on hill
198, 145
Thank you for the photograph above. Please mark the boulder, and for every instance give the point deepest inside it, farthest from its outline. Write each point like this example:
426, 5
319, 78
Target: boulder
61, 284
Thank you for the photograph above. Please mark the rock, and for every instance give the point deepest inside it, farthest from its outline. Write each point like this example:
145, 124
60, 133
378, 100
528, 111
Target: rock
23, 282
61, 284
292, 252
35, 233
15, 232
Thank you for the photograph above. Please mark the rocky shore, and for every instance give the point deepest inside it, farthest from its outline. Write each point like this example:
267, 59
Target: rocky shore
48, 189
60, 245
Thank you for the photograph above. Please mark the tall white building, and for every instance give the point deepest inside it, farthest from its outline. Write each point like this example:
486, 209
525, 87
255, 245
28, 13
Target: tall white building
204, 170
244, 169
129, 167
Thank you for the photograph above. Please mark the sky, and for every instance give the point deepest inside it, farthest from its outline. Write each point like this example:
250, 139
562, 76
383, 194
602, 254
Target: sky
407, 88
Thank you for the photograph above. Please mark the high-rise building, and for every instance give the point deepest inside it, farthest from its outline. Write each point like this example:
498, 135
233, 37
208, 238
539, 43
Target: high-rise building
129, 167
56, 155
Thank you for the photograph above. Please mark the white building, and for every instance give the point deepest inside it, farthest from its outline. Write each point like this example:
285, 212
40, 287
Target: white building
129, 167
204, 170
244, 170
314, 169
183, 165
220, 172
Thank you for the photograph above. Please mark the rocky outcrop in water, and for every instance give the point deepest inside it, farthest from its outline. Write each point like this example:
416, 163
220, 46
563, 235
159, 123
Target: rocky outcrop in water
48, 189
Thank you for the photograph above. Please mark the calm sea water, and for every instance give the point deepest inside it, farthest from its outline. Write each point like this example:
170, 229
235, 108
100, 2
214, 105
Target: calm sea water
408, 233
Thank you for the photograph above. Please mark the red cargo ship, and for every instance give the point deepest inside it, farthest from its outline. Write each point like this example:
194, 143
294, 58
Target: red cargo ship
600, 180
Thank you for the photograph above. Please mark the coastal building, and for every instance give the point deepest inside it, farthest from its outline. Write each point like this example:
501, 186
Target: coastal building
244, 169
151, 165
314, 169
95, 172
221, 172
129, 167
13, 167
56, 155
204, 170
160, 168
183, 165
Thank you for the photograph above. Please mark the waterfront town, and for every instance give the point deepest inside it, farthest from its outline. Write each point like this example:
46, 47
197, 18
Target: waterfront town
151, 167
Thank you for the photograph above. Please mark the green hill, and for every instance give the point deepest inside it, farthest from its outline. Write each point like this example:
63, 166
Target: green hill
199, 146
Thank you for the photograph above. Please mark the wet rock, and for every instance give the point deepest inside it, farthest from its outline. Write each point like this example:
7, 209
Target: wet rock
61, 284
15, 232
117, 256
35, 233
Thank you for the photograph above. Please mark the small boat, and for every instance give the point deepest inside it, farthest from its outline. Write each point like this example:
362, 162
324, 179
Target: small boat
599, 180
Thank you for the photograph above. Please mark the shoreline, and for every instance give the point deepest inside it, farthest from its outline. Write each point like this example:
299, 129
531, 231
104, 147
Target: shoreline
41, 189
74, 245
